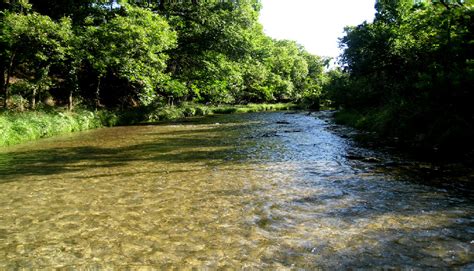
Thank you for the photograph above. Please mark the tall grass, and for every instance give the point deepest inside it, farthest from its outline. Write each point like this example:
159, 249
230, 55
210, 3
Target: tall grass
25, 126
190, 110
374, 120
18, 127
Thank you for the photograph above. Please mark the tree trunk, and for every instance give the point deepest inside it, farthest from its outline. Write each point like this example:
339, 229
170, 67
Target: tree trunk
97, 93
161, 5
7, 79
3, 85
22, 108
70, 104
73, 83
33, 99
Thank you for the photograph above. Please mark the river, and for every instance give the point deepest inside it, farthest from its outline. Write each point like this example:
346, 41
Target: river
259, 191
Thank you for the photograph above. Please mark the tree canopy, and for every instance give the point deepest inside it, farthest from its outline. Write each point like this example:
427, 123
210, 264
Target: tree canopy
137, 52
411, 71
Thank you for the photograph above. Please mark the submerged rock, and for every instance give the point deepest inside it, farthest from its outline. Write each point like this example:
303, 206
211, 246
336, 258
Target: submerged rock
351, 156
371, 160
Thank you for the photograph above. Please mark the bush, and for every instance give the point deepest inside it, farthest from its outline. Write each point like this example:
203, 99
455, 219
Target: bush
189, 111
202, 111
224, 110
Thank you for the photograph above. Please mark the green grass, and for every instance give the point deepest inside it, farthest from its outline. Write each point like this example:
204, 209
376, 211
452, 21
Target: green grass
191, 110
249, 108
18, 127
25, 126
370, 120
350, 118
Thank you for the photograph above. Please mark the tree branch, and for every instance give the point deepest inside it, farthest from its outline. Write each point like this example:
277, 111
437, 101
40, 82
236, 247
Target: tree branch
445, 4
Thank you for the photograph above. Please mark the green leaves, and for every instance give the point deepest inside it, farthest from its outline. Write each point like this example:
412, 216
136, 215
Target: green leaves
138, 52
35, 35
31, 44
415, 62
130, 46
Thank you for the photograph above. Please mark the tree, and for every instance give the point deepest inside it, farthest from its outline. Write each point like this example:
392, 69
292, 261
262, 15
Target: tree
130, 46
312, 86
77, 10
413, 67
31, 44
132, 52
392, 11
213, 38
287, 61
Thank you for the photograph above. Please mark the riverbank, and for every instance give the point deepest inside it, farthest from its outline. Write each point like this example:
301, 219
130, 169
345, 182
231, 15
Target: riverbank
19, 127
443, 137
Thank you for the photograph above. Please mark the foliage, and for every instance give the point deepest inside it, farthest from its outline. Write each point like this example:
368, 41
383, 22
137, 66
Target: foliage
144, 61
162, 113
122, 54
130, 47
25, 126
413, 67
31, 45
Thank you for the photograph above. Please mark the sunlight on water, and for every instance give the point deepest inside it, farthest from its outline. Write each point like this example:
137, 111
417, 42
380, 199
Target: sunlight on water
268, 190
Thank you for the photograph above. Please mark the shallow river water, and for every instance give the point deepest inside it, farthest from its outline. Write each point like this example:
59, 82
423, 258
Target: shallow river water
257, 191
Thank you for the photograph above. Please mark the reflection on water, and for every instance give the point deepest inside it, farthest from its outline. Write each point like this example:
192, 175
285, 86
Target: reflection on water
268, 190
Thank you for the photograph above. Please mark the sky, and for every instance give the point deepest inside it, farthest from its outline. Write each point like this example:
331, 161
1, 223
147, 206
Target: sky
315, 24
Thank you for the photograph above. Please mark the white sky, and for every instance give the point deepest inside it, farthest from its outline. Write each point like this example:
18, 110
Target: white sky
315, 24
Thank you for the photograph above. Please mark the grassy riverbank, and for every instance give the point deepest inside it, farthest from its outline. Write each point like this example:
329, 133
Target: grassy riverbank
18, 127
154, 114
25, 126
440, 134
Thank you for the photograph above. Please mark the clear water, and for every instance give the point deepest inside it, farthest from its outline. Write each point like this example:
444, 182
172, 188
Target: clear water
265, 190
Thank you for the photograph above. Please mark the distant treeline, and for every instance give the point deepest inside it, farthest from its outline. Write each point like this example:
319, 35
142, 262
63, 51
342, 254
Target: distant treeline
409, 75
133, 53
